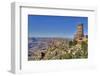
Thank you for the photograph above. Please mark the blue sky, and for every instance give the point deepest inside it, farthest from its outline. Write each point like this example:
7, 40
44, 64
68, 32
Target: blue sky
55, 26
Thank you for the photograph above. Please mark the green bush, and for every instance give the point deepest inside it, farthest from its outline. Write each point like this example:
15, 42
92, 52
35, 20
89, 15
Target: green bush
72, 43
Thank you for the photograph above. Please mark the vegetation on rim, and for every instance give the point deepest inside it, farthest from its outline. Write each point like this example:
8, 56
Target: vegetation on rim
62, 49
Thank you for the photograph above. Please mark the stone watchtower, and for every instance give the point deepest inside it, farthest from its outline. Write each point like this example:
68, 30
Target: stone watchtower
80, 33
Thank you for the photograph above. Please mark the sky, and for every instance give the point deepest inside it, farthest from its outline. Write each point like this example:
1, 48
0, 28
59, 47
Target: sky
55, 26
